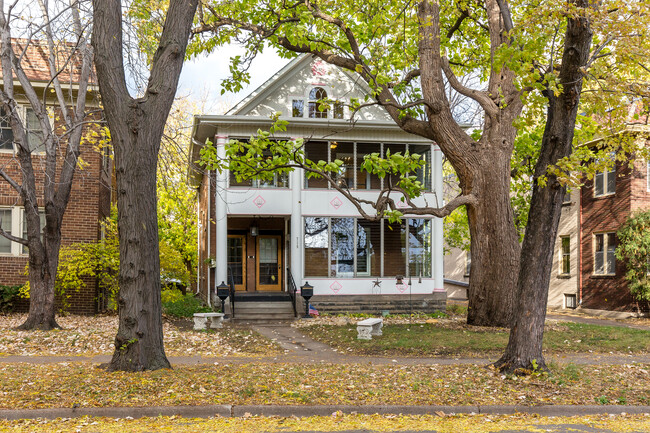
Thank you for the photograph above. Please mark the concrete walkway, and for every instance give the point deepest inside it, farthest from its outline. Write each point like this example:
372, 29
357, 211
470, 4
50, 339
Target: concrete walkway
227, 410
596, 321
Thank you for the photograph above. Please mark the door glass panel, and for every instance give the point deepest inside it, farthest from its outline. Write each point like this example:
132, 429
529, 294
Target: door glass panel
236, 260
268, 261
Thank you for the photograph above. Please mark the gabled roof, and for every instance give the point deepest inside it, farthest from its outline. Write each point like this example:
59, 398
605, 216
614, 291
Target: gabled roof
264, 92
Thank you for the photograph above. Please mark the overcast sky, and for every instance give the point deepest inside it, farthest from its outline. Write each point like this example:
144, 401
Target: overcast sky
202, 77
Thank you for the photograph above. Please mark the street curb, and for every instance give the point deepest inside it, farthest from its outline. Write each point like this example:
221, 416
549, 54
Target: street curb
320, 410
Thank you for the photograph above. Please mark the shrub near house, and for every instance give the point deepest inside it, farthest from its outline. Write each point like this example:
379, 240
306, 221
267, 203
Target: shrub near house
634, 251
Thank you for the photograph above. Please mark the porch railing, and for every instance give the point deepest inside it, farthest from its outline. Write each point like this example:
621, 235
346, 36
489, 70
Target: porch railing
292, 291
231, 286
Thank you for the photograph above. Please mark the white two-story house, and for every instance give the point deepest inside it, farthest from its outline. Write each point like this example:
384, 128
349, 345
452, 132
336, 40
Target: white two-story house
264, 236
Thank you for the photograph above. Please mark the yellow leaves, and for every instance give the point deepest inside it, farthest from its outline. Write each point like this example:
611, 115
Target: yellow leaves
87, 336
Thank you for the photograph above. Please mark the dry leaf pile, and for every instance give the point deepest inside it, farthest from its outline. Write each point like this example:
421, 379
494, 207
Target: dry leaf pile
94, 335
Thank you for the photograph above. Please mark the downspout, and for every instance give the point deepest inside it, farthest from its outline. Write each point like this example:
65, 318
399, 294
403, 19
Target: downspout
580, 249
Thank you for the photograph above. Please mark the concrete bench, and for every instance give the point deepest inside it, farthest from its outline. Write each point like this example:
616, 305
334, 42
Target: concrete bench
369, 327
201, 320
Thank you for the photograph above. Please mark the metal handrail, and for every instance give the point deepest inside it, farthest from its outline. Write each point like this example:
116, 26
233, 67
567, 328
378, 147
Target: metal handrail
292, 292
231, 284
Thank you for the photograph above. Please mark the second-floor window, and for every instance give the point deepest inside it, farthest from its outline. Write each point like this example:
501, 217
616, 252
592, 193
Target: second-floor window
352, 155
604, 253
32, 129
6, 133
605, 181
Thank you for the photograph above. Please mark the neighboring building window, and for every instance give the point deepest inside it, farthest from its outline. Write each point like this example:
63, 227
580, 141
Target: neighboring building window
468, 263
298, 108
41, 214
604, 253
570, 301
565, 246
6, 224
34, 131
6, 133
317, 94
605, 181
567, 197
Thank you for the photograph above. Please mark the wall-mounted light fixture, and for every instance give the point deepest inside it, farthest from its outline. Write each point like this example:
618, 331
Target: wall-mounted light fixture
254, 230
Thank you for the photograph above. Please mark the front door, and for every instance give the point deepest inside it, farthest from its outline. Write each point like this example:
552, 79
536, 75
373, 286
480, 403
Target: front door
237, 261
269, 263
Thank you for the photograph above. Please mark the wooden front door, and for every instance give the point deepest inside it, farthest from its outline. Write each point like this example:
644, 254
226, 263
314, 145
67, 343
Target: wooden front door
269, 263
237, 261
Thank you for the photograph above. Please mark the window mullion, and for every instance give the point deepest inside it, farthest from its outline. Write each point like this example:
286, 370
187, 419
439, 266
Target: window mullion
329, 246
354, 248
381, 247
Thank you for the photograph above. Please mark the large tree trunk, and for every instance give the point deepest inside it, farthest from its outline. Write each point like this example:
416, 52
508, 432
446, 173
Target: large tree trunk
139, 340
43, 263
136, 127
41, 295
494, 243
524, 350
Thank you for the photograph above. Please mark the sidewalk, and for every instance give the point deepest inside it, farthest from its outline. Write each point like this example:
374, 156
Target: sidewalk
229, 411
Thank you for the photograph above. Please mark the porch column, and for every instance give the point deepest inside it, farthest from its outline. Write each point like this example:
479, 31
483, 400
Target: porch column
438, 239
221, 216
296, 241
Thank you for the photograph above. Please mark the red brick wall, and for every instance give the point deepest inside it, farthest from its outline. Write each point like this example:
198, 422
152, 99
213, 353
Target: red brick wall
89, 201
605, 214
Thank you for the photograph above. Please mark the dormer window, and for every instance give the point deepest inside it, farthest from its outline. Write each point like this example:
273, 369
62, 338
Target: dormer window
317, 94
298, 108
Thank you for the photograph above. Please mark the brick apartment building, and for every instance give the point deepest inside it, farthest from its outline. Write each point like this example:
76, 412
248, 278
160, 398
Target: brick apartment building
586, 273
91, 192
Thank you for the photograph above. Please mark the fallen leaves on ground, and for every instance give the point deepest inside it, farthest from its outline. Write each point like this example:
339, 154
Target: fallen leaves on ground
337, 422
453, 337
85, 385
94, 335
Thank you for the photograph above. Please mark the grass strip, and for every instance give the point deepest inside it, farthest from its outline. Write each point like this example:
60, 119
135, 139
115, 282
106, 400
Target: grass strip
439, 339
27, 386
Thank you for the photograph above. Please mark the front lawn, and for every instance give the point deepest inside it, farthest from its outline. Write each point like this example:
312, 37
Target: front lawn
83, 384
94, 335
452, 339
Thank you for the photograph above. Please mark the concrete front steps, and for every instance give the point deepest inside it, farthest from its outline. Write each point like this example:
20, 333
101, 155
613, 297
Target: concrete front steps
262, 308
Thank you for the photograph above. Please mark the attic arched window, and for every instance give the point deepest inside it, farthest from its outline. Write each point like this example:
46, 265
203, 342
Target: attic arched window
317, 94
